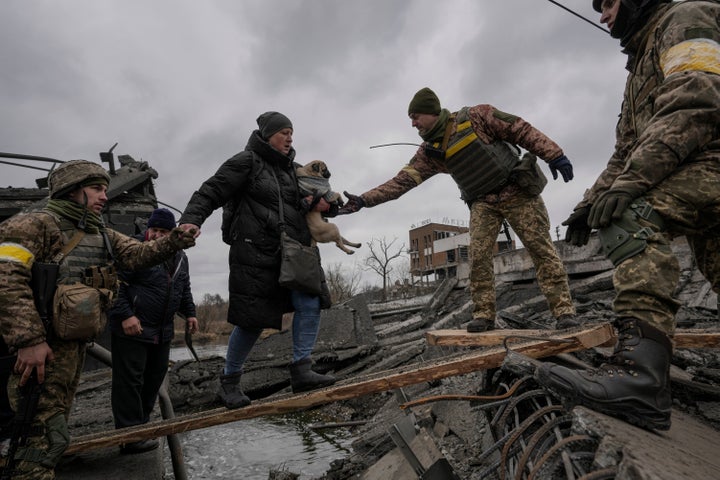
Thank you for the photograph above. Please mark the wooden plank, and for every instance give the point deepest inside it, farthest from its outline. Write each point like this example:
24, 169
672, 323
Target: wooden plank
688, 338
350, 388
685, 338
462, 338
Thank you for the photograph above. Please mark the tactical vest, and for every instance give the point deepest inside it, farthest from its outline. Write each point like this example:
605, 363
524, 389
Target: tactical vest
476, 167
88, 262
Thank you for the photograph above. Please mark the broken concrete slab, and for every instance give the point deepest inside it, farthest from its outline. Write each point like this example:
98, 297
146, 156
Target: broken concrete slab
341, 328
394, 464
643, 455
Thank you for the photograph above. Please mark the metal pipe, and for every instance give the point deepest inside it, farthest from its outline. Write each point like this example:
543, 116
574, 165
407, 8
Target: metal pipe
30, 157
166, 409
24, 166
176, 453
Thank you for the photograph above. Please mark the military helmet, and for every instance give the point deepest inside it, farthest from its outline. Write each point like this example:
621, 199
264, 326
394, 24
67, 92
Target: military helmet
73, 174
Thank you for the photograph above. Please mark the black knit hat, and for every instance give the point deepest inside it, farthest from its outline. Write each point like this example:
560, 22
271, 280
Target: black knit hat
272, 122
161, 218
424, 101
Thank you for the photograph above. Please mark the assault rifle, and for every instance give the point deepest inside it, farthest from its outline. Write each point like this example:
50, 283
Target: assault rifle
43, 284
21, 427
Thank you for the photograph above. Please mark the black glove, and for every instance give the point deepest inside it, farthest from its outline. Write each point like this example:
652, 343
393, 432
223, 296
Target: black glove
609, 206
578, 230
563, 165
354, 203
334, 209
180, 239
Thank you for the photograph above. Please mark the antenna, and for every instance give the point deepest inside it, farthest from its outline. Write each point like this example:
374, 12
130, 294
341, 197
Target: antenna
579, 16
393, 144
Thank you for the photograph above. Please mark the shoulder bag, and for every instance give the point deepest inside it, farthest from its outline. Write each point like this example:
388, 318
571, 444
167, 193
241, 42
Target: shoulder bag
300, 264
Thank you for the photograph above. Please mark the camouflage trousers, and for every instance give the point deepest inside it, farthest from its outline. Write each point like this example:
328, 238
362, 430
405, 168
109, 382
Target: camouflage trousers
528, 217
689, 204
49, 427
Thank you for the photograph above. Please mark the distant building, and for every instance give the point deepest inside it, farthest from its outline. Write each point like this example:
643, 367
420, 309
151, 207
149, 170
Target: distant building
440, 250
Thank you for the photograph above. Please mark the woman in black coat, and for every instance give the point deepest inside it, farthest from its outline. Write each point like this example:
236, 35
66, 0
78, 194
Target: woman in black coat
249, 182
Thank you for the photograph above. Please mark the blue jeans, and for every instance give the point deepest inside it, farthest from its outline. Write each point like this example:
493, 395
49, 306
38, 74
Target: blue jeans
305, 328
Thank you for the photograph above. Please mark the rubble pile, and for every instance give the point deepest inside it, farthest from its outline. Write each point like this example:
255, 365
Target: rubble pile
486, 424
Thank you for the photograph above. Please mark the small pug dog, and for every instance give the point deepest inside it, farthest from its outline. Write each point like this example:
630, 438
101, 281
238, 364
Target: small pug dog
313, 180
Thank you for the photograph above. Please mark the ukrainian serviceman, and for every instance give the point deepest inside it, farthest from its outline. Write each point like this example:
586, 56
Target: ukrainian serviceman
477, 146
69, 234
662, 181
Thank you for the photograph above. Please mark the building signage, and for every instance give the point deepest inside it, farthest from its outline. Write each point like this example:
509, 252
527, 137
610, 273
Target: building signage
445, 221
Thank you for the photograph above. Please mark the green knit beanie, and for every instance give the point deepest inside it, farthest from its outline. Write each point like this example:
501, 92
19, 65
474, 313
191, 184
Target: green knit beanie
424, 101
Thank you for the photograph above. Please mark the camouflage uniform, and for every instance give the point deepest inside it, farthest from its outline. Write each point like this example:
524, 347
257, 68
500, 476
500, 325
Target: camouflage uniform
668, 154
526, 214
24, 239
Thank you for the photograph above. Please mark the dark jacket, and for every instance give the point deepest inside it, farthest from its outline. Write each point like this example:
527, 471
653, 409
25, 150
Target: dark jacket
154, 296
256, 298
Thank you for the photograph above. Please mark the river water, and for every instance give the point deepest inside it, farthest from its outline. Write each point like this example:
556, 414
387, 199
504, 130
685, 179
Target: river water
248, 449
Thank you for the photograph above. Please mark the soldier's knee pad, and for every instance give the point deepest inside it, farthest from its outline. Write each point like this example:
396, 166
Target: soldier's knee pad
58, 440
626, 237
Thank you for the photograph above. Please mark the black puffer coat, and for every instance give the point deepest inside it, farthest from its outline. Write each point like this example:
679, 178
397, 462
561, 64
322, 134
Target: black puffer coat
154, 295
256, 298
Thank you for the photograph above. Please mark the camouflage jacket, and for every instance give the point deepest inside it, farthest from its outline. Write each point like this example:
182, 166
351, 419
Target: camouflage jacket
490, 125
671, 107
31, 237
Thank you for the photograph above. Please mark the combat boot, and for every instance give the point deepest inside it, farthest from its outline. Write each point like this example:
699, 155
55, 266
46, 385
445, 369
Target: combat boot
303, 378
480, 325
230, 391
566, 321
633, 385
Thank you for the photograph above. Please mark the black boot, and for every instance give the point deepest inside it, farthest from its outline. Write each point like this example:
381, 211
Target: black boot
141, 446
230, 391
477, 325
634, 385
566, 321
303, 378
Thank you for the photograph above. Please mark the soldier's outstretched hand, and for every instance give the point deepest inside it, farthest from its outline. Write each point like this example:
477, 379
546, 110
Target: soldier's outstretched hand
183, 239
561, 164
354, 203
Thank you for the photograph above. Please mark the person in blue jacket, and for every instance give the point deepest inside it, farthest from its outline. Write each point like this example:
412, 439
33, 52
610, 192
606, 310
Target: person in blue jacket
142, 326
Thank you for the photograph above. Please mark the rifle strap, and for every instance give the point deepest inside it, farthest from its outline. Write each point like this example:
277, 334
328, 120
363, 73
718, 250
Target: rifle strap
448, 129
67, 248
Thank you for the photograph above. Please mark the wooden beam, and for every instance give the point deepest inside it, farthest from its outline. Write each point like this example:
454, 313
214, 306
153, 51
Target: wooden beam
685, 338
462, 338
696, 339
350, 388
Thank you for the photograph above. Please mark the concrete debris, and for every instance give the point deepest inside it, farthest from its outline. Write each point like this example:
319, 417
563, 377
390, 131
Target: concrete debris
476, 426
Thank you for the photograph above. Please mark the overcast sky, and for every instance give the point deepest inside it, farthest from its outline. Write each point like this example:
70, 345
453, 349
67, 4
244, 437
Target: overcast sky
179, 84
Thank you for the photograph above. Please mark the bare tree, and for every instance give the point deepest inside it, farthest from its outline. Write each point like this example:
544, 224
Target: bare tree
381, 255
212, 314
342, 283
